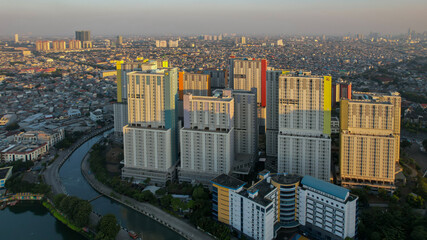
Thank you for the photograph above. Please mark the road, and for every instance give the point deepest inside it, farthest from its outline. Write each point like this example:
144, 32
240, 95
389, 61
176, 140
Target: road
176, 224
51, 173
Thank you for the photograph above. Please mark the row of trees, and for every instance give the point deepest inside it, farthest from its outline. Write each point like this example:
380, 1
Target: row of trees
69, 139
77, 210
16, 185
395, 222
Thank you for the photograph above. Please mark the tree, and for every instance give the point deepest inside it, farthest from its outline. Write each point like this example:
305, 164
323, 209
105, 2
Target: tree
58, 198
82, 213
405, 144
107, 228
12, 126
419, 232
165, 200
199, 193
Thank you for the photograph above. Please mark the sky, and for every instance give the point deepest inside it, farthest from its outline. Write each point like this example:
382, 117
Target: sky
189, 17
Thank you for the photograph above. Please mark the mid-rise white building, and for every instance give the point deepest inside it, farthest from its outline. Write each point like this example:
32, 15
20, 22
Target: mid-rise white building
326, 211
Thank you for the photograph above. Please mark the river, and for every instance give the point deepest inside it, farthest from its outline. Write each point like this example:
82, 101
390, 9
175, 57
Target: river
26, 221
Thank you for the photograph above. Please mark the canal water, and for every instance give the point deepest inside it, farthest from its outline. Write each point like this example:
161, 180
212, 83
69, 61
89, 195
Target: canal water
76, 185
33, 221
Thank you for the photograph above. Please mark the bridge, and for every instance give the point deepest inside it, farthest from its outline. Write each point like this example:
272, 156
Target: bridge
93, 199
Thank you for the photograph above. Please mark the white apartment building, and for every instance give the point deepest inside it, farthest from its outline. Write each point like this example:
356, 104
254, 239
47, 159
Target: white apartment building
304, 144
150, 139
326, 211
207, 138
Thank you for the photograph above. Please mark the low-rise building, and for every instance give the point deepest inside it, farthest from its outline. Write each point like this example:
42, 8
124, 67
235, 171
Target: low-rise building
96, 115
335, 125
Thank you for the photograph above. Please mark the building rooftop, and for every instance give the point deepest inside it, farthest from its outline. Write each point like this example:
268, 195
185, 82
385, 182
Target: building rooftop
261, 189
286, 178
326, 187
228, 182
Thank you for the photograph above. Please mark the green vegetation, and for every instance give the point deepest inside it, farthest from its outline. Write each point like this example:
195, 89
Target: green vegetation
61, 217
414, 97
197, 210
107, 228
19, 166
16, 185
70, 139
12, 126
413, 127
77, 210
395, 222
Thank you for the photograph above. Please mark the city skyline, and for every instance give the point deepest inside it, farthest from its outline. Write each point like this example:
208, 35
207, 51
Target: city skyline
331, 17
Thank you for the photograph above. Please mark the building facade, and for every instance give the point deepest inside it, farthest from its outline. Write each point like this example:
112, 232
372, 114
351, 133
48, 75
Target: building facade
151, 138
207, 138
367, 140
304, 144
246, 74
219, 77
320, 209
272, 112
194, 83
326, 211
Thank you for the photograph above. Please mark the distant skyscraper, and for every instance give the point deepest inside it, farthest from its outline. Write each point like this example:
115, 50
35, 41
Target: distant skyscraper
42, 46
161, 43
280, 42
243, 40
173, 44
119, 40
74, 44
83, 36
194, 83
304, 144
16, 38
207, 139
151, 137
246, 74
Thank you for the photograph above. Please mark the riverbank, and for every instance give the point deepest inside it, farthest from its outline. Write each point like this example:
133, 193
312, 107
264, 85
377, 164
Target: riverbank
60, 217
177, 225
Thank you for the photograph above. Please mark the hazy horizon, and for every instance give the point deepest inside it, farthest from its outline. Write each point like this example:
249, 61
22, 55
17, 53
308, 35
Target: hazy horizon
189, 17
